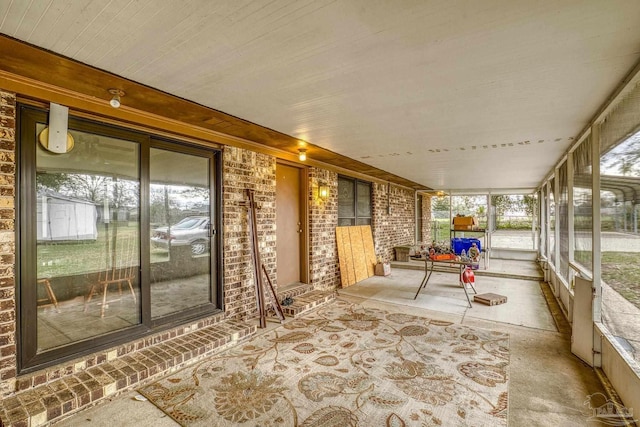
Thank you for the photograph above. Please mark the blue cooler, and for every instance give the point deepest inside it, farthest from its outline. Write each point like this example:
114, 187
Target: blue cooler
460, 243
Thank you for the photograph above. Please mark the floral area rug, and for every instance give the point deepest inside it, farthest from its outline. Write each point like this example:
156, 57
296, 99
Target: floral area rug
345, 365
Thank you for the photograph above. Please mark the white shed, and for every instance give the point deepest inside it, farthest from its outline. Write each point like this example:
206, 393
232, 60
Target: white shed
63, 218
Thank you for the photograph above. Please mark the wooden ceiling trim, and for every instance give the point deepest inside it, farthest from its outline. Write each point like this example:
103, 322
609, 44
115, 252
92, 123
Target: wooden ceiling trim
35, 73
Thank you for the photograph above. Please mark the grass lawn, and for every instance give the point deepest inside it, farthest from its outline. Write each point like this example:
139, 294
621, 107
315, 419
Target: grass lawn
73, 258
621, 271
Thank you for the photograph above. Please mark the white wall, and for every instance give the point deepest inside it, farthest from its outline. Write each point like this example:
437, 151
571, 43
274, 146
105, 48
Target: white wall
620, 369
622, 372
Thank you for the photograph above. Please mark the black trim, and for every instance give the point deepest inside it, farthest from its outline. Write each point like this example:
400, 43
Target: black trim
26, 247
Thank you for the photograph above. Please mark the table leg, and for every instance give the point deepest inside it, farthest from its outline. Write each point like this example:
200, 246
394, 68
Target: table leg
425, 279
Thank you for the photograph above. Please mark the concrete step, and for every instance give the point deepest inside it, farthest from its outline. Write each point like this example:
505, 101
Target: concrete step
419, 265
293, 290
307, 301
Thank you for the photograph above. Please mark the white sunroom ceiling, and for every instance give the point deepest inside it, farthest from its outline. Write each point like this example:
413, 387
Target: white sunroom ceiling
452, 95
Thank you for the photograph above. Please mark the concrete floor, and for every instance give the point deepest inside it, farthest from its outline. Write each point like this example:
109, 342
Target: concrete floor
548, 385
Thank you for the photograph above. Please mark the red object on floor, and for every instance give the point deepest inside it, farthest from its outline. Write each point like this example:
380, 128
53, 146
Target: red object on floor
467, 276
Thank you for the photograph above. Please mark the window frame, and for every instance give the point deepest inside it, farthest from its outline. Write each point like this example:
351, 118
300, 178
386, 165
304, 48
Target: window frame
356, 182
29, 359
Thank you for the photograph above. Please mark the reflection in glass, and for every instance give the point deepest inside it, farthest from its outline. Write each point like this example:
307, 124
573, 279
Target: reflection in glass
180, 232
620, 239
364, 201
346, 199
354, 202
88, 236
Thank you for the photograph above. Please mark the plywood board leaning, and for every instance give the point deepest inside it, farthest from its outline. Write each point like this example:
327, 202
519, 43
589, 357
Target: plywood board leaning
345, 257
357, 250
356, 253
369, 249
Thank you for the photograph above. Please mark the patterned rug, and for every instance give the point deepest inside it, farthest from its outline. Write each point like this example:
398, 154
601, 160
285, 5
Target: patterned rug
345, 365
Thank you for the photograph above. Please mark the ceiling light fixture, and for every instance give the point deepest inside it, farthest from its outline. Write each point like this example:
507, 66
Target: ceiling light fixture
115, 100
302, 154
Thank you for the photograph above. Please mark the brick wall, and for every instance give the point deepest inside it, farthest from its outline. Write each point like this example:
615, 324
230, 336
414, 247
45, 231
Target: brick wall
242, 169
323, 220
393, 218
7, 243
426, 236
246, 169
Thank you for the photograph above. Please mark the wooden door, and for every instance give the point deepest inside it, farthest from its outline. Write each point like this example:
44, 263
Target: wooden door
290, 225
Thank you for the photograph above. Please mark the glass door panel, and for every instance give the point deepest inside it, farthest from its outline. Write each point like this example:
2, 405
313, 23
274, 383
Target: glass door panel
87, 239
180, 220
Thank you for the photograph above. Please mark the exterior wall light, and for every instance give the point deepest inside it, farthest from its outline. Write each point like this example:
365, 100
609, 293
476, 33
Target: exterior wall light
323, 191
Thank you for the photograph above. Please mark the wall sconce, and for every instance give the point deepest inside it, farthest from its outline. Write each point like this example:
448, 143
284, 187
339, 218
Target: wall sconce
302, 154
115, 100
56, 138
323, 191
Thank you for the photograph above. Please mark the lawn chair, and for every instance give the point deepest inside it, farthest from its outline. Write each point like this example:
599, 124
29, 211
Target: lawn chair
123, 270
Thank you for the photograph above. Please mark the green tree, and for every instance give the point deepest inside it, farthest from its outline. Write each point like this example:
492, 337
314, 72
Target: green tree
51, 181
440, 203
502, 203
530, 203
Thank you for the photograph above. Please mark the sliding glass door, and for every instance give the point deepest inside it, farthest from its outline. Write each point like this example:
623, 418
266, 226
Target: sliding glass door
117, 237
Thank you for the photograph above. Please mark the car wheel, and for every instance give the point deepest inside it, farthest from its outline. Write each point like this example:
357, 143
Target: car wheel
198, 247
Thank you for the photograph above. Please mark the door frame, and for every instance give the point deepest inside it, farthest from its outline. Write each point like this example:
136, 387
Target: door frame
304, 198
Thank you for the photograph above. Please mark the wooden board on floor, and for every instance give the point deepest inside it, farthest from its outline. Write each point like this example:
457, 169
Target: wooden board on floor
490, 299
356, 253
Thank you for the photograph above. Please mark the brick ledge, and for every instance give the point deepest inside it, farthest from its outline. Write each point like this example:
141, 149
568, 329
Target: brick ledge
65, 396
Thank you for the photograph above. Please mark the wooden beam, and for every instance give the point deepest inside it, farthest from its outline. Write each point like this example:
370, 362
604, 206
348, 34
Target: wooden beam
35, 73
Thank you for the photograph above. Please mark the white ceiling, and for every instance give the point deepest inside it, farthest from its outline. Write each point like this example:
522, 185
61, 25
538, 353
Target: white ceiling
451, 94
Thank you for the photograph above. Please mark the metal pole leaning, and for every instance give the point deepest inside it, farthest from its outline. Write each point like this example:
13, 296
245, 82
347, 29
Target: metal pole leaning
255, 256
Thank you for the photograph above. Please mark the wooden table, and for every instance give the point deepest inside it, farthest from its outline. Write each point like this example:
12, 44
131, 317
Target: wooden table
428, 269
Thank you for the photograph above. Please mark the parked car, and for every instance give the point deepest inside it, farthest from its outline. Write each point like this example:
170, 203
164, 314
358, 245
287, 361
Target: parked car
192, 230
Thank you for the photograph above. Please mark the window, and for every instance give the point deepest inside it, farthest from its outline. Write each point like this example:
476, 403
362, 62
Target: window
354, 202
620, 239
116, 237
543, 220
440, 218
583, 205
562, 218
552, 223
513, 221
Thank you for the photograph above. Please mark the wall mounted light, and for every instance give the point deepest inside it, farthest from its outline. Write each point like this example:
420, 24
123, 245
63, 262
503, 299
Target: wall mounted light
56, 138
302, 154
115, 99
323, 191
